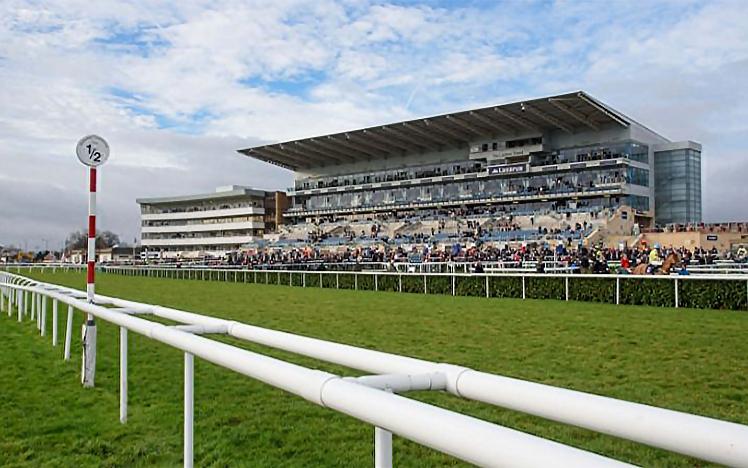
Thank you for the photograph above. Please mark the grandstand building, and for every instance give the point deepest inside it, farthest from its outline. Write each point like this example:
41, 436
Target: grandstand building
210, 224
556, 156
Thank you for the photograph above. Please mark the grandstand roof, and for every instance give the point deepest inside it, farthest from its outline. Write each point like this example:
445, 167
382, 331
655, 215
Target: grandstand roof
234, 191
566, 112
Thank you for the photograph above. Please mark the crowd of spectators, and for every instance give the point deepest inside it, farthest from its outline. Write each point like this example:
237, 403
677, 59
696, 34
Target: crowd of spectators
464, 226
582, 259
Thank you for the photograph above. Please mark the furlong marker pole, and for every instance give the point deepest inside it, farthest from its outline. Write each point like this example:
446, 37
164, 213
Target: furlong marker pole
92, 151
89, 328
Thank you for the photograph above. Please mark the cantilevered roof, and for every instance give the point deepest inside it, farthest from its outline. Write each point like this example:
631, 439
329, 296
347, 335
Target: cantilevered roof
229, 192
570, 113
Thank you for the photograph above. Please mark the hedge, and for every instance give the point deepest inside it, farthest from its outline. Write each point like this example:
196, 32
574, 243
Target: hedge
592, 289
540, 287
639, 291
693, 293
470, 286
505, 286
439, 285
413, 283
713, 294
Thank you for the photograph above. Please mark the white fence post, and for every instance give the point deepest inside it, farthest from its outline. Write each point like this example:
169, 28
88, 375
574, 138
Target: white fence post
676, 293
19, 306
566, 286
382, 448
55, 306
68, 333
523, 287
189, 408
122, 375
618, 290
43, 318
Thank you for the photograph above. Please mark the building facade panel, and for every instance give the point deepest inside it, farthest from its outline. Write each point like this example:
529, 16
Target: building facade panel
212, 224
678, 183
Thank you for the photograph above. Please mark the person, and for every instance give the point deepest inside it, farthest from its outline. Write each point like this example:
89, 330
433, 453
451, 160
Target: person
625, 263
478, 268
654, 257
742, 254
584, 262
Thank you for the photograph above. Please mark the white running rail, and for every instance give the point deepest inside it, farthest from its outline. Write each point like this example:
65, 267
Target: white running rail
274, 277
374, 400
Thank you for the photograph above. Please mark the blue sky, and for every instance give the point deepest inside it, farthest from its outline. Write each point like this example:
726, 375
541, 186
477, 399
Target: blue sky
177, 87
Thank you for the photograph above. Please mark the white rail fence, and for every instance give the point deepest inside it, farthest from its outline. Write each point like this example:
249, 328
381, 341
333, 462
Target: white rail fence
374, 399
722, 267
399, 279
525, 279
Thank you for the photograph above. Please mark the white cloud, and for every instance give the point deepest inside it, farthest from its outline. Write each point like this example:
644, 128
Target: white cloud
177, 87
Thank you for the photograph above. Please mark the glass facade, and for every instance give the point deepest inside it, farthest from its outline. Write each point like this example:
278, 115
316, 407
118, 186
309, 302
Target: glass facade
587, 181
592, 177
678, 186
628, 150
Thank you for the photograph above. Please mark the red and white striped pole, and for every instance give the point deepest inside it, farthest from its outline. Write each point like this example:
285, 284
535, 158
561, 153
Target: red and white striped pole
92, 151
88, 371
91, 257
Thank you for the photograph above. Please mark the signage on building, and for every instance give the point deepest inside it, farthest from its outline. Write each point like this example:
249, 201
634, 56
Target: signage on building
711, 237
507, 169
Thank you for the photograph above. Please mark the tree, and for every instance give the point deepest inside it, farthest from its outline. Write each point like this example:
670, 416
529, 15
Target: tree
78, 240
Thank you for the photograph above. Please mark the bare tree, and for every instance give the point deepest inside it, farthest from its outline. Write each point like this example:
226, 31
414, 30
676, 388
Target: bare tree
78, 240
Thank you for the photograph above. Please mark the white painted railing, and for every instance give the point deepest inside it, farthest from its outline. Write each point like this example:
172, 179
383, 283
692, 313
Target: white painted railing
274, 277
373, 399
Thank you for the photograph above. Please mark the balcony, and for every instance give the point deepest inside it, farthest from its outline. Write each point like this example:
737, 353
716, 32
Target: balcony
507, 198
199, 241
204, 227
218, 213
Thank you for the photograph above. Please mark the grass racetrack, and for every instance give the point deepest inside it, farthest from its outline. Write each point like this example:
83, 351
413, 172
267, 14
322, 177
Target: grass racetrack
688, 360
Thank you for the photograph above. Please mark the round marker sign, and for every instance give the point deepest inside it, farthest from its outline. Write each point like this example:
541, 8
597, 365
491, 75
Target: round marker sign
92, 150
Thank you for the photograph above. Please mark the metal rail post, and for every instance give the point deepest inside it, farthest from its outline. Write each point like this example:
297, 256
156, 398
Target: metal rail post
43, 318
618, 290
189, 408
68, 333
123, 375
55, 306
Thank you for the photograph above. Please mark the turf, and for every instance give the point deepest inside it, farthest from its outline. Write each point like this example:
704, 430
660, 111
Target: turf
689, 360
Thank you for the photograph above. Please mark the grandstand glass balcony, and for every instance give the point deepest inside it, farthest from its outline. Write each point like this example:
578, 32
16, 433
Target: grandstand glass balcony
609, 181
553, 160
630, 150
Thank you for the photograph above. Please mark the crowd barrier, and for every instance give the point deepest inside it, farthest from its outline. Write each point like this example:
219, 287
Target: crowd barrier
375, 399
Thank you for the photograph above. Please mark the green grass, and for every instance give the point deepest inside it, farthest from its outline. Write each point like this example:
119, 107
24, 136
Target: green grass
688, 360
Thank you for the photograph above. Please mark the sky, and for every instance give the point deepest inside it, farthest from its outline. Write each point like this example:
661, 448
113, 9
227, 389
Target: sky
177, 87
